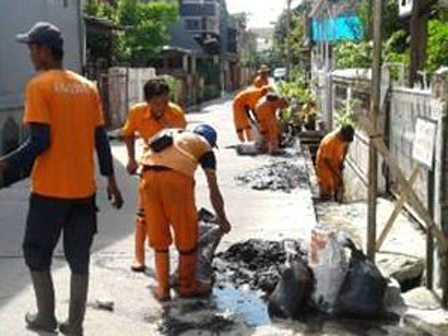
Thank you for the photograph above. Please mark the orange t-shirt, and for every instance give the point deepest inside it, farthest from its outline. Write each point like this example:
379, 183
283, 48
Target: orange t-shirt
266, 109
333, 149
141, 121
250, 97
70, 105
260, 81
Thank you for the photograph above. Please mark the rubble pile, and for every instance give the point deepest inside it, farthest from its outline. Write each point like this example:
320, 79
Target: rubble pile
279, 175
256, 263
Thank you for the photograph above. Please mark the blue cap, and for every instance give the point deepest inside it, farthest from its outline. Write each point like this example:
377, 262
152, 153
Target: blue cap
207, 132
43, 33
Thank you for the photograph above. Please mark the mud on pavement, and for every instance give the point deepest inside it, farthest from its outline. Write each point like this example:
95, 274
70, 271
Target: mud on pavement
283, 175
254, 263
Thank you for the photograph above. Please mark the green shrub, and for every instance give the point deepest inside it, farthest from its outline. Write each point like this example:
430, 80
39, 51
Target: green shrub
346, 115
175, 86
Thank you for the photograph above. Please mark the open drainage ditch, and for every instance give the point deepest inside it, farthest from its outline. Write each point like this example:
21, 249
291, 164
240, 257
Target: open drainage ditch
245, 275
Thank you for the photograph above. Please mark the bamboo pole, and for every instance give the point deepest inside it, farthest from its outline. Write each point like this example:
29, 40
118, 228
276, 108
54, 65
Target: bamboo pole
414, 200
374, 113
399, 206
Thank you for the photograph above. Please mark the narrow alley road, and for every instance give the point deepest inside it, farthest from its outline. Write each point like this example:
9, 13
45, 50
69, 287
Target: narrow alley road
272, 215
253, 213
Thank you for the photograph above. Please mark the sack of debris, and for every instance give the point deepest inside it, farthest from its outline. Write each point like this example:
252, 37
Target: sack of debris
364, 287
291, 295
210, 235
329, 265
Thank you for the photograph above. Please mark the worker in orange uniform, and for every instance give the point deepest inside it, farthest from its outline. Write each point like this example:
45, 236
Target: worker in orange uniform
65, 122
263, 76
243, 103
168, 197
330, 162
265, 111
146, 119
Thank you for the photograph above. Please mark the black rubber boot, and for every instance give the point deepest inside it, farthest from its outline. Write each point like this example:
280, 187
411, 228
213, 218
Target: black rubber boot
79, 285
44, 319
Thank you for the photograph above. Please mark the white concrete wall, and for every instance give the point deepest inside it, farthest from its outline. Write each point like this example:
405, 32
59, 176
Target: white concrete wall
17, 16
126, 89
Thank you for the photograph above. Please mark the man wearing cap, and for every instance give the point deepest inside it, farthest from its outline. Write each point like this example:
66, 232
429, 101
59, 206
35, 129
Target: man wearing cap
168, 198
330, 162
243, 103
64, 117
145, 120
263, 76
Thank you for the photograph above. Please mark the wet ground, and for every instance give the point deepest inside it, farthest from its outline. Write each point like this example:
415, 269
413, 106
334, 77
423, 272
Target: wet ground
234, 308
245, 274
254, 264
283, 175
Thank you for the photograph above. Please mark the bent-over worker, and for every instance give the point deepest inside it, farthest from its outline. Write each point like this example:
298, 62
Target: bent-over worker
168, 199
243, 103
267, 121
330, 162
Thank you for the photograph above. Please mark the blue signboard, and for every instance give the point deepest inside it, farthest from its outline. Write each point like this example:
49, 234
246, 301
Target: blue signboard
342, 28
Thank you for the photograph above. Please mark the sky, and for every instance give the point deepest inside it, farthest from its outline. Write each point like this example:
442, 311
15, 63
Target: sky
261, 12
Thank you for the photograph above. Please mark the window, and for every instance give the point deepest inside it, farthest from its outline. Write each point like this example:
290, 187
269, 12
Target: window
192, 24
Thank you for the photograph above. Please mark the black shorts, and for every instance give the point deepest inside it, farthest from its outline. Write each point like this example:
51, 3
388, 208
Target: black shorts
47, 218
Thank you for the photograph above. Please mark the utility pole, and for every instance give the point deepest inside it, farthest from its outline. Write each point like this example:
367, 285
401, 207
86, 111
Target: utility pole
419, 33
374, 113
288, 39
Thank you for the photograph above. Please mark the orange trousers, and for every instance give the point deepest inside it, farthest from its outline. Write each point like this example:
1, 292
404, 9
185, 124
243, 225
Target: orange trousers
328, 185
139, 232
270, 132
240, 118
168, 201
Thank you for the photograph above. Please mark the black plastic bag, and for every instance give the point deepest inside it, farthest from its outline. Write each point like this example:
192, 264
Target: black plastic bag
363, 290
161, 142
291, 295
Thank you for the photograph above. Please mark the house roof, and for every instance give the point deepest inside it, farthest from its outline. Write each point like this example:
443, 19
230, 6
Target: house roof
181, 40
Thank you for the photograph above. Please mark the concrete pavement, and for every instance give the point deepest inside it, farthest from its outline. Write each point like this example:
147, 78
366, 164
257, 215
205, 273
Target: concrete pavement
254, 214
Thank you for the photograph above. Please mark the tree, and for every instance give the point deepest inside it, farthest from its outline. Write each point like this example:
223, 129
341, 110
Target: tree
146, 26
437, 45
419, 34
428, 52
149, 29
391, 22
283, 45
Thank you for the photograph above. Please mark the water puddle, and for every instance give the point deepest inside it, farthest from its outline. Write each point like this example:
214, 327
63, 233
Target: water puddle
225, 310
242, 311
246, 274
247, 306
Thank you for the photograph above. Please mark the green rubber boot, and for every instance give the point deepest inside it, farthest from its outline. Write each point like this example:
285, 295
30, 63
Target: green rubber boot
79, 285
44, 319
